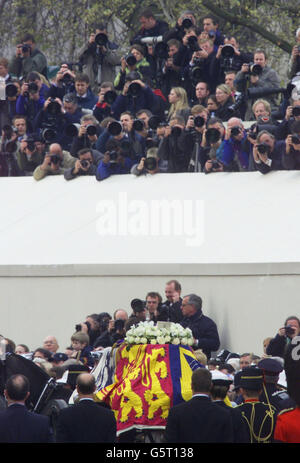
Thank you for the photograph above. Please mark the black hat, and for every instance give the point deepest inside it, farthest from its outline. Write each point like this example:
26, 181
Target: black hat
270, 366
59, 356
251, 378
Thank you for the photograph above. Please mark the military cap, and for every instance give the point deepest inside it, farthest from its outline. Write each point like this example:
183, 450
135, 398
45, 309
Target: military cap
270, 366
220, 379
251, 378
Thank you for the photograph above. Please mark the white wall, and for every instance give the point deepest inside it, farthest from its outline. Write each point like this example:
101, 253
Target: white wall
55, 268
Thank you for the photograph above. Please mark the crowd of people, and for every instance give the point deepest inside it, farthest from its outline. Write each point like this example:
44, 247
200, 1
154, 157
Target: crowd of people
176, 101
236, 397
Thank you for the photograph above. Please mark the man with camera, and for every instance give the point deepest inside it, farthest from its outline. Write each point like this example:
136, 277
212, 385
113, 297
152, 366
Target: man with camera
292, 115
9, 96
280, 342
150, 164
86, 99
64, 82
112, 330
291, 159
28, 58
115, 161
267, 153
99, 57
106, 97
258, 76
211, 146
87, 134
176, 146
236, 147
229, 57
150, 26
55, 162
30, 101
86, 164
30, 154
8, 148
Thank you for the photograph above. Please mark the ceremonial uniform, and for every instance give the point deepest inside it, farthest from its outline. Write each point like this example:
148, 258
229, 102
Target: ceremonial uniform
260, 417
288, 426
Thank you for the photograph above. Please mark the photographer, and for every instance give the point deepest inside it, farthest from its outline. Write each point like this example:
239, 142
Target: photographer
106, 97
260, 76
150, 26
86, 164
203, 65
267, 153
87, 135
172, 67
291, 158
150, 165
278, 345
292, 115
12, 89
28, 58
30, 154
211, 30
136, 62
196, 125
230, 57
99, 57
114, 162
236, 147
29, 103
135, 95
294, 62
185, 21
226, 104
211, 148
176, 146
64, 83
8, 148
112, 330
55, 162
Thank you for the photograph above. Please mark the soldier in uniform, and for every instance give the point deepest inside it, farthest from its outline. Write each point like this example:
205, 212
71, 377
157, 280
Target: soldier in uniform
259, 416
271, 391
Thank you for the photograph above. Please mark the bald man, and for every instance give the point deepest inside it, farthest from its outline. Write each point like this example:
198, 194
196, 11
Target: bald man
236, 147
56, 161
86, 421
51, 344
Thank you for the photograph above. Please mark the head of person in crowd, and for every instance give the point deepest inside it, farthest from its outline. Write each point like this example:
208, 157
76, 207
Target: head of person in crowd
266, 139
82, 83
251, 382
150, 163
261, 108
120, 314
79, 340
153, 300
212, 104
201, 357
235, 129
20, 124
229, 79
202, 92
22, 349
70, 104
178, 100
50, 343
126, 119
147, 19
35, 78
260, 57
173, 290
4, 67
138, 52
138, 310
291, 327
187, 14
201, 381
245, 360
144, 115
217, 124
173, 47
29, 40
223, 94
17, 389
266, 342
210, 24
42, 353
220, 385
85, 385
191, 304
207, 45
197, 119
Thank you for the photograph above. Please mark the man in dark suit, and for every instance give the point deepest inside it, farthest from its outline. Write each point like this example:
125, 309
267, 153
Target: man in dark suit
204, 329
199, 420
86, 421
171, 308
17, 424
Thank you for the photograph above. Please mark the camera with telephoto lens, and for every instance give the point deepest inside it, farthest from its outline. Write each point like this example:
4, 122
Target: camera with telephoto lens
212, 136
85, 163
138, 125
8, 131
30, 144
176, 131
110, 97
11, 90
295, 139
113, 155
263, 149
115, 128
199, 121
91, 130
130, 59
53, 108
55, 159
187, 23
193, 43
289, 330
26, 48
255, 69
235, 131
150, 163
67, 79
101, 39
296, 111
215, 164
134, 89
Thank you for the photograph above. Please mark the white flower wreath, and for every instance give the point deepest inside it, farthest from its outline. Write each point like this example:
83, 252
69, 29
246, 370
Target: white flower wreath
148, 333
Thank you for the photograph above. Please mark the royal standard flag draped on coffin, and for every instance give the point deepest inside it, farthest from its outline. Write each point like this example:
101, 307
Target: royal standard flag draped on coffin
149, 380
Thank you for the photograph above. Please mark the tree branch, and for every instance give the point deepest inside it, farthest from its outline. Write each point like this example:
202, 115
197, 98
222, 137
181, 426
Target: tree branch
240, 21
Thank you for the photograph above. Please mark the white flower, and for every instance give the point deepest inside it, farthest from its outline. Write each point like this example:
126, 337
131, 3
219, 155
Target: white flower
144, 340
176, 341
153, 341
183, 341
161, 340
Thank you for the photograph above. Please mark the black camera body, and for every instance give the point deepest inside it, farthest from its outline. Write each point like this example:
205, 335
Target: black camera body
263, 149
150, 163
55, 159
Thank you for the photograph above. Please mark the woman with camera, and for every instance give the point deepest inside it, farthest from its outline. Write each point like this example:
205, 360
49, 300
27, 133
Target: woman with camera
227, 107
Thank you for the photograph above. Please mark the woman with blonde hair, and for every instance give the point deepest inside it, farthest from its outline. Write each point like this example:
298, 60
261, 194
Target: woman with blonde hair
225, 101
178, 103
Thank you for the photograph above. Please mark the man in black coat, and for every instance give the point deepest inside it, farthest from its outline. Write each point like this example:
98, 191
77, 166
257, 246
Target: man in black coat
17, 423
199, 420
204, 329
86, 421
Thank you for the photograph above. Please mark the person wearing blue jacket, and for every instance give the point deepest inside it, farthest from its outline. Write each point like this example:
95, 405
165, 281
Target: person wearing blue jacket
86, 99
236, 147
114, 162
